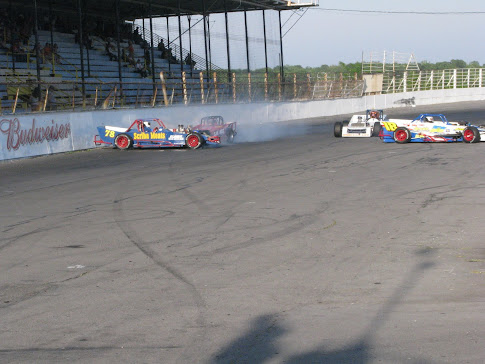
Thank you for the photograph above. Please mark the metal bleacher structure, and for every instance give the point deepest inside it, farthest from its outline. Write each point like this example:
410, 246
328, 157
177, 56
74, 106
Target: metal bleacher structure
101, 77
96, 80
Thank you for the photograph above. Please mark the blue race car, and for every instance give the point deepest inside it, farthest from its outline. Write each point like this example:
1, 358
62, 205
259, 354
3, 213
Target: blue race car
142, 134
430, 128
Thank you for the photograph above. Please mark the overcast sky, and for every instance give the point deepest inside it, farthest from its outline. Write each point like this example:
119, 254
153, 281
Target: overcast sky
327, 37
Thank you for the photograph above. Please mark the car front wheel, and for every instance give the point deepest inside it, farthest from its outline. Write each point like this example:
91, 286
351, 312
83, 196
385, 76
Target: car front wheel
337, 129
194, 140
471, 135
402, 135
123, 141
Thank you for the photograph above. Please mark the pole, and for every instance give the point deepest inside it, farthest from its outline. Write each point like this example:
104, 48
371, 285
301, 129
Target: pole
265, 43
190, 49
227, 44
118, 40
37, 50
281, 49
247, 39
151, 48
80, 30
180, 40
205, 43
168, 47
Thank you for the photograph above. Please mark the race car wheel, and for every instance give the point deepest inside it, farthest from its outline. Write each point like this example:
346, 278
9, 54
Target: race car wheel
377, 129
337, 129
471, 135
194, 140
402, 135
123, 141
230, 136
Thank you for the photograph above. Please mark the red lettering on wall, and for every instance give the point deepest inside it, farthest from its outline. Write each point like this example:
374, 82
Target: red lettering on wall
17, 137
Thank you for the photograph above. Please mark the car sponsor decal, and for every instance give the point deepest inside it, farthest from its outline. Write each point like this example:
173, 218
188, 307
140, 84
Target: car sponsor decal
389, 125
109, 133
176, 137
138, 136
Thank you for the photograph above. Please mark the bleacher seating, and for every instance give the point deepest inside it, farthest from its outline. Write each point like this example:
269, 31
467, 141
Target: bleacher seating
101, 75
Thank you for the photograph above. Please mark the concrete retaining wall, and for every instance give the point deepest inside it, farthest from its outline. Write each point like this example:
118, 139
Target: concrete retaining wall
38, 134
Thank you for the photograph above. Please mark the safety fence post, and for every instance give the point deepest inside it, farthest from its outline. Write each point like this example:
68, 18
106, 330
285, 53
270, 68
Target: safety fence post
309, 85
234, 87
216, 92
266, 86
164, 88
249, 86
202, 96
294, 85
480, 73
16, 100
454, 78
154, 100
184, 87
279, 86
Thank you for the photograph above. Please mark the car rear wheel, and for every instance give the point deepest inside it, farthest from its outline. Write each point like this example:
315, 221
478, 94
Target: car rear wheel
337, 129
123, 141
377, 129
230, 136
194, 140
402, 135
471, 135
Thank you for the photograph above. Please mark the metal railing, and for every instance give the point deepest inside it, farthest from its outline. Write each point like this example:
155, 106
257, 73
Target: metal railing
18, 95
433, 80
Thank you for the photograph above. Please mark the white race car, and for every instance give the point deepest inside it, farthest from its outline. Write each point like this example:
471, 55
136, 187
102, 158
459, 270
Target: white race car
430, 128
360, 125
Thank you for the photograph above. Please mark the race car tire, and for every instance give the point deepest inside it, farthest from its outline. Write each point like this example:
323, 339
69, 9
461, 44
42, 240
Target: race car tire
471, 135
402, 135
230, 136
377, 129
194, 140
337, 129
123, 141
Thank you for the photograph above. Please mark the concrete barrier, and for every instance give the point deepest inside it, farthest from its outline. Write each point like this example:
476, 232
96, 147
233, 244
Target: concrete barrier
39, 134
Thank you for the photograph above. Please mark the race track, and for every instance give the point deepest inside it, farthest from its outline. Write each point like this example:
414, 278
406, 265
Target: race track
302, 249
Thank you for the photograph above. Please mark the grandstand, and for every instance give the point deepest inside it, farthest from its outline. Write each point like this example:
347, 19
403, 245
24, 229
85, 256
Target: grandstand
58, 55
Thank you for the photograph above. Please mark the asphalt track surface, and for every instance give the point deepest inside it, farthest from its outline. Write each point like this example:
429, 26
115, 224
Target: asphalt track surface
303, 249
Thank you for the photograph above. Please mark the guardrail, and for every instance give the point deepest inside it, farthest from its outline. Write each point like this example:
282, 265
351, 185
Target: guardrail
19, 97
22, 97
433, 80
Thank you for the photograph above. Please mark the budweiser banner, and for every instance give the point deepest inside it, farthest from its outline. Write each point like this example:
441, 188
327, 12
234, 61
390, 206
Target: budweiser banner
35, 135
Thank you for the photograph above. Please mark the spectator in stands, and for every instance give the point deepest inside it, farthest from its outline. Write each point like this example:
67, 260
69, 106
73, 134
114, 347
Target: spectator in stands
47, 52
189, 61
35, 99
55, 53
18, 52
169, 56
147, 57
140, 68
161, 47
137, 37
88, 43
51, 99
108, 48
131, 53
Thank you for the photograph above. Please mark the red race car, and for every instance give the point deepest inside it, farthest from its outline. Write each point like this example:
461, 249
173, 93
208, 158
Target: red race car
215, 126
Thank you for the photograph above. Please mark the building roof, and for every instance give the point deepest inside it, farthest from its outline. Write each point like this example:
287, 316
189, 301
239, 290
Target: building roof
136, 9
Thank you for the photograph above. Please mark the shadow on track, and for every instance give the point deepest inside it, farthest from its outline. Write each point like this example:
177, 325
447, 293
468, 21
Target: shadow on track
259, 344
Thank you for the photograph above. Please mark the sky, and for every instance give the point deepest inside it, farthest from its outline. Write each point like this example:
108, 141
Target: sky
329, 37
